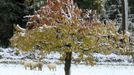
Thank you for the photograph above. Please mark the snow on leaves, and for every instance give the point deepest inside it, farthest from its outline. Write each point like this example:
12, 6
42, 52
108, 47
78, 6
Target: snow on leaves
59, 26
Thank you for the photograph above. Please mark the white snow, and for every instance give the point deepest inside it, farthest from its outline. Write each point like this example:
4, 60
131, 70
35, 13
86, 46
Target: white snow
104, 68
12, 69
52, 57
113, 58
10, 54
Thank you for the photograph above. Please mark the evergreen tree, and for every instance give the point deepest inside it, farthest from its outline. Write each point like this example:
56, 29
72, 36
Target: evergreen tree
11, 12
34, 5
131, 4
91, 4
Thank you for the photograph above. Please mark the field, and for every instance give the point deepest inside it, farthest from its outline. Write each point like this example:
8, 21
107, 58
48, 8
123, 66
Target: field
12, 69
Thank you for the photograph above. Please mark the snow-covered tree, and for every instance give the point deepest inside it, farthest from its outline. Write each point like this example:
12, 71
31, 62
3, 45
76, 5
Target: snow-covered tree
59, 27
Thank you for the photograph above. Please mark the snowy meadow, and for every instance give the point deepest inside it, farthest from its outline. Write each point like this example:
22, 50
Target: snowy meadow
124, 67
12, 69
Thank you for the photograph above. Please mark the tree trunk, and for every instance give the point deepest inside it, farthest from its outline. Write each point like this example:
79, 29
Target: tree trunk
4, 43
68, 63
124, 15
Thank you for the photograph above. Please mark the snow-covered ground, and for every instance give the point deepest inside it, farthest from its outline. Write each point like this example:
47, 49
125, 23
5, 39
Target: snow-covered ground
111, 64
12, 69
10, 55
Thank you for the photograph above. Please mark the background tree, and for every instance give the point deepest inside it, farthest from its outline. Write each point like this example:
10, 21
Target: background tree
98, 5
131, 4
11, 12
34, 5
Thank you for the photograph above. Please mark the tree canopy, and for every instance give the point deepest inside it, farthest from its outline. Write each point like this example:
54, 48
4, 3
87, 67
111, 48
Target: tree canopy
54, 31
60, 26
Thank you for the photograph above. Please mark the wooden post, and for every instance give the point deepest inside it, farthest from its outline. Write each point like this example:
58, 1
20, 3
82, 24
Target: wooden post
124, 15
